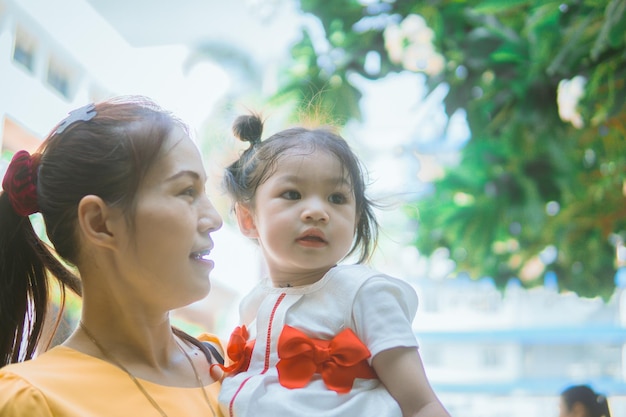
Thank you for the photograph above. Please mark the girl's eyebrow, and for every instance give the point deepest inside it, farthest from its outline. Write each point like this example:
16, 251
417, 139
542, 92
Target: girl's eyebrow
298, 179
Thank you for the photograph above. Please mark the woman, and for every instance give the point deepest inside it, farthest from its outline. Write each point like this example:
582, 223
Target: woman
582, 401
120, 186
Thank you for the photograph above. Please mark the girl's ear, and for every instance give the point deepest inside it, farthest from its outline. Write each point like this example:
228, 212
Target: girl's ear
245, 219
97, 221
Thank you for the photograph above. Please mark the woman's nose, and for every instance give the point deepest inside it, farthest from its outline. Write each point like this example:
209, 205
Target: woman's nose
210, 220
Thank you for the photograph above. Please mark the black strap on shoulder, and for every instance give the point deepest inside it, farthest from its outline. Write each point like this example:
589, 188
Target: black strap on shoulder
211, 353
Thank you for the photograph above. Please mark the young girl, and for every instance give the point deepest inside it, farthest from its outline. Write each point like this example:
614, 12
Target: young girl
317, 338
120, 186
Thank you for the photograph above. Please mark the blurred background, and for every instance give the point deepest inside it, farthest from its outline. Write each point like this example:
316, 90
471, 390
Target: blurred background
493, 131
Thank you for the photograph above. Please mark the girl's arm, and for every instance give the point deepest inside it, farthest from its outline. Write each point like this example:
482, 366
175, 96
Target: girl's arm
401, 371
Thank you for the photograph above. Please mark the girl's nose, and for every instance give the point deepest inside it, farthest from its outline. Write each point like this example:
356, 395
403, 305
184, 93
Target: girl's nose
315, 210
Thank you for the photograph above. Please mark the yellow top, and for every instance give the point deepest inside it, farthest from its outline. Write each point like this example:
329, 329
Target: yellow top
66, 383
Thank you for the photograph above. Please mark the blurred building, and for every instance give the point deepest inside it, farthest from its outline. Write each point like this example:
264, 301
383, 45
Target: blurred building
490, 353
41, 80
57, 56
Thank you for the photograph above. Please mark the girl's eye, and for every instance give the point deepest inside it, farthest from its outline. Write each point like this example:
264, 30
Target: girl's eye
291, 195
337, 198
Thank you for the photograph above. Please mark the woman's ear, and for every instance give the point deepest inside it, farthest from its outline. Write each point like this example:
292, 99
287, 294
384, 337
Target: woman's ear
96, 221
245, 219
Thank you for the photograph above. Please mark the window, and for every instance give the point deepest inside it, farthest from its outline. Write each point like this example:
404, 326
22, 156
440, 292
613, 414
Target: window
59, 77
492, 357
24, 50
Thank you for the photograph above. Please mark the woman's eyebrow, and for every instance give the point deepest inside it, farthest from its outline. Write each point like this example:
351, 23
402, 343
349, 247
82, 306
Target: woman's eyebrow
183, 173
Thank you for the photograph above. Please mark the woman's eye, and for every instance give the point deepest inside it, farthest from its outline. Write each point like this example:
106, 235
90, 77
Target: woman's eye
291, 195
337, 198
191, 192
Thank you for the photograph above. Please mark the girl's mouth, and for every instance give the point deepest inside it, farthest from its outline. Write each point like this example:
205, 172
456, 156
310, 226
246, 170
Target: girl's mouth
312, 235
312, 239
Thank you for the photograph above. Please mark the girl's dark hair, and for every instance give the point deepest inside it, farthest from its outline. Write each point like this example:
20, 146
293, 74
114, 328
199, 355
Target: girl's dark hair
107, 156
596, 404
257, 163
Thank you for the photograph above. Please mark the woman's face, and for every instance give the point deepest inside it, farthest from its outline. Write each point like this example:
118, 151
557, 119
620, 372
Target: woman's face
169, 248
563, 410
576, 410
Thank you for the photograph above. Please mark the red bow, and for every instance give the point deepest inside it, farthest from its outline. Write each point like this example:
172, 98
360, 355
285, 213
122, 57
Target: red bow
20, 183
239, 351
339, 360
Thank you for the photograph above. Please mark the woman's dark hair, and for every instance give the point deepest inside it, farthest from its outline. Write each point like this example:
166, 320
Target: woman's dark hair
257, 163
596, 404
107, 155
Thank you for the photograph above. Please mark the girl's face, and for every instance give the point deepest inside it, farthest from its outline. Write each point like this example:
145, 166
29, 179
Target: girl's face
169, 248
304, 216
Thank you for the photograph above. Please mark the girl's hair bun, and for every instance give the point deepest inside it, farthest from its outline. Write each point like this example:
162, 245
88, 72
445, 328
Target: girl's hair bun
248, 128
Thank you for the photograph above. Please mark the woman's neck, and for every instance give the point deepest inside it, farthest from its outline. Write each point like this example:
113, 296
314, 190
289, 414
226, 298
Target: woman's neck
129, 340
132, 331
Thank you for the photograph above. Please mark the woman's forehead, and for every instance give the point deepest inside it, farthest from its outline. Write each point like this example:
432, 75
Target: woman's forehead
179, 153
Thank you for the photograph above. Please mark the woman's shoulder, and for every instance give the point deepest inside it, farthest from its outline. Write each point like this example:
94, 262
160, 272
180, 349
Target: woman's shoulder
210, 338
22, 384
47, 363
214, 346
51, 368
66, 382
18, 397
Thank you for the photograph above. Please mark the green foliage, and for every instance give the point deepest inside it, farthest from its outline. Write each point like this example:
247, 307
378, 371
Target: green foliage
527, 179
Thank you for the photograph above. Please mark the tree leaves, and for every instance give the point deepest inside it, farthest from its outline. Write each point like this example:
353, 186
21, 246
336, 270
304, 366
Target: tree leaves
527, 180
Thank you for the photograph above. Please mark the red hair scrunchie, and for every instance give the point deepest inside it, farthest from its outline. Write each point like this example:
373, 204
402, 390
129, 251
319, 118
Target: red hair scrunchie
20, 183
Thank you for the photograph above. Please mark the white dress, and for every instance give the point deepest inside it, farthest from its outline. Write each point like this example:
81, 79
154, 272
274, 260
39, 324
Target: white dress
379, 309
